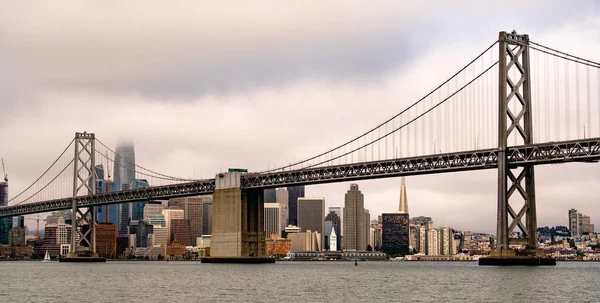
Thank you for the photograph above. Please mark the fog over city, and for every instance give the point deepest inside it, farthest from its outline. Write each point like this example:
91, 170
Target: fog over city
202, 87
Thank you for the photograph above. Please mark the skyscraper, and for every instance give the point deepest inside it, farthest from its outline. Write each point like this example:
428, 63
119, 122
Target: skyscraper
270, 195
333, 223
193, 210
6, 223
340, 212
272, 219
354, 230
311, 215
206, 215
170, 215
395, 231
137, 208
124, 173
294, 192
403, 206
282, 197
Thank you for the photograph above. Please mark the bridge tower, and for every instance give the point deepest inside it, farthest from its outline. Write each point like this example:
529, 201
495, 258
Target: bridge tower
238, 234
83, 229
516, 185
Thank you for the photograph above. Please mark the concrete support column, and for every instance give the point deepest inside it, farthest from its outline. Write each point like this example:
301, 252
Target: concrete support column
238, 219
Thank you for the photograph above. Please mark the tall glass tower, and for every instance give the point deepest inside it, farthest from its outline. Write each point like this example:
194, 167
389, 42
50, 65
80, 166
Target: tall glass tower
124, 174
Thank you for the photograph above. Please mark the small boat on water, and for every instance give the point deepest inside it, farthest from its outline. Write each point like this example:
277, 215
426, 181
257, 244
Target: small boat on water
46, 257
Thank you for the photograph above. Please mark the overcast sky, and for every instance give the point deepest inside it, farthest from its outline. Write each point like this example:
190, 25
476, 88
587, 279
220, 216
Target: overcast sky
200, 87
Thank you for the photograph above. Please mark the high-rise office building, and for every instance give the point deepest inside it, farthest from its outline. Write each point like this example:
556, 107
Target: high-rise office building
6, 223
193, 210
270, 195
367, 228
282, 197
340, 212
137, 208
403, 205
180, 231
294, 192
272, 219
170, 215
207, 206
354, 220
433, 242
106, 213
333, 222
311, 215
152, 208
160, 236
395, 230
395, 234
124, 174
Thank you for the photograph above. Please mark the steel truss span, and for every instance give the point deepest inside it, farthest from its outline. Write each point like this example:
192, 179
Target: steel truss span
586, 150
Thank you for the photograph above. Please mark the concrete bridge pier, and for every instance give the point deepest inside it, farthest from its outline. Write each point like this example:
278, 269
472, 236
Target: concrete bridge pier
238, 234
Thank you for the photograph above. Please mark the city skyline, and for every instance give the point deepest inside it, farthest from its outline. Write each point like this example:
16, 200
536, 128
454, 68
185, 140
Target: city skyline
336, 86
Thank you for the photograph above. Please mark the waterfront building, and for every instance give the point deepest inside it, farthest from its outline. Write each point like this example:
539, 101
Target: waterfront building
272, 219
367, 228
333, 240
106, 240
124, 174
294, 192
16, 236
311, 215
354, 220
203, 241
175, 250
282, 197
277, 247
305, 241
170, 215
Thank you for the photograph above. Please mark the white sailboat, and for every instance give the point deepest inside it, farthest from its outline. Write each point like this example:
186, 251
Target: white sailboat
46, 257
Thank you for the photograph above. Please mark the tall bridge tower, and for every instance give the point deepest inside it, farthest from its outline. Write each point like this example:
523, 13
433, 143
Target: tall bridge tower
516, 185
83, 229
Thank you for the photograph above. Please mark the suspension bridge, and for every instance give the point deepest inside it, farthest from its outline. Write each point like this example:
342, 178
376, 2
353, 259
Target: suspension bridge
516, 105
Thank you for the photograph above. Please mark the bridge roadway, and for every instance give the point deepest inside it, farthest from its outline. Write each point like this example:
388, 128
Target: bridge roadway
582, 150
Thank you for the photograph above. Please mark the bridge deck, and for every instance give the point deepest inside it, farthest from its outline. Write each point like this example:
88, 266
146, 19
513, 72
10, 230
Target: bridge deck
584, 150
